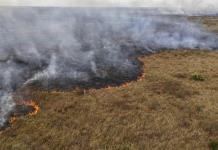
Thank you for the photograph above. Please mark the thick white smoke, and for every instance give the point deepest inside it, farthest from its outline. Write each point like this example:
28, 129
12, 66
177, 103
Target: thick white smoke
168, 6
68, 47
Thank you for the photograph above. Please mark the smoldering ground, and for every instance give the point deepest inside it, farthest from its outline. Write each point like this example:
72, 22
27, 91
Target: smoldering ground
70, 47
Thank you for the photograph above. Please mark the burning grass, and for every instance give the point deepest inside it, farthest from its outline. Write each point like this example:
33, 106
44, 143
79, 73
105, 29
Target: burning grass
163, 109
23, 108
34, 106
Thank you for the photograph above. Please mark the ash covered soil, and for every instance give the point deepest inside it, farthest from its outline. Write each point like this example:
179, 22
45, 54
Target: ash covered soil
173, 106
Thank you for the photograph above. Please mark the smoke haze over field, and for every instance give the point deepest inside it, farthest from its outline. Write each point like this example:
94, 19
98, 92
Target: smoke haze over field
67, 47
176, 6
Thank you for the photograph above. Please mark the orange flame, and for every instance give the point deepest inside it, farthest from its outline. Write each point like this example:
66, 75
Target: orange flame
30, 103
34, 105
109, 88
12, 120
141, 77
126, 84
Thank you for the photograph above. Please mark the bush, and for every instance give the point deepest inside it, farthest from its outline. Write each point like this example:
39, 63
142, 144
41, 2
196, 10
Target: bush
197, 77
213, 145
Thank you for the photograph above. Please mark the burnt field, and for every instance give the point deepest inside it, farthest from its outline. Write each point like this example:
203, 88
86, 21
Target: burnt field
173, 106
168, 100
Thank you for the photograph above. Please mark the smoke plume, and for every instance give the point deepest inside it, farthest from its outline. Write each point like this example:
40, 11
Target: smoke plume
69, 47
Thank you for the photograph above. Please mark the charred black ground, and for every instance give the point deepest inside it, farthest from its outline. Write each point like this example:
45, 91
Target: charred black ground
19, 111
65, 48
114, 78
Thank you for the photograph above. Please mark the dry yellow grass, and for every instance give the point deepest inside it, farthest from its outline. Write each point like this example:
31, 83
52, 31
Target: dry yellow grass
167, 109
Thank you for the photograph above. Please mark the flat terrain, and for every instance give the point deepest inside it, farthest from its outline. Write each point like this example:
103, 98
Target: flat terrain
173, 106
209, 22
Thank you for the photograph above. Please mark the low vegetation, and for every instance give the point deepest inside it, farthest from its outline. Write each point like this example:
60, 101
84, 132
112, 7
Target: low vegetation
163, 110
197, 77
213, 145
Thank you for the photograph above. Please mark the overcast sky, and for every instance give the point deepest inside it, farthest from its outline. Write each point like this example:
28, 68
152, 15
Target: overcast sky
198, 5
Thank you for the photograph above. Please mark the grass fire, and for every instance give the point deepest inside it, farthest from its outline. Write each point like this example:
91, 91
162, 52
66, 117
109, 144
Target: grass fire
23, 108
107, 78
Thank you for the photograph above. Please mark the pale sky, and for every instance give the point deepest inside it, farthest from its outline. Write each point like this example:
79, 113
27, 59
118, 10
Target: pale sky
183, 4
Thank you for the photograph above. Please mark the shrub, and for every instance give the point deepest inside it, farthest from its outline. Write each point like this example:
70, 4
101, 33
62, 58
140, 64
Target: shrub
213, 145
197, 77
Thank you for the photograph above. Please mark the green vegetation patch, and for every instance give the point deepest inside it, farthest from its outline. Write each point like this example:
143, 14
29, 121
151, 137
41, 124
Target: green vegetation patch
213, 145
197, 77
